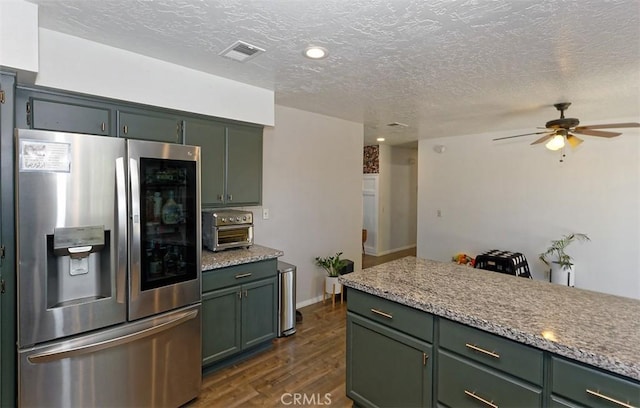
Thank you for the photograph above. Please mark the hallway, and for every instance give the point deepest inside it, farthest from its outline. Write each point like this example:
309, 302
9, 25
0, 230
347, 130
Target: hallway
369, 260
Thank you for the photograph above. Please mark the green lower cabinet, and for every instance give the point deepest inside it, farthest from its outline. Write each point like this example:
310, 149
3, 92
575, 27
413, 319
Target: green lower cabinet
221, 334
557, 402
463, 383
588, 387
386, 368
258, 312
236, 318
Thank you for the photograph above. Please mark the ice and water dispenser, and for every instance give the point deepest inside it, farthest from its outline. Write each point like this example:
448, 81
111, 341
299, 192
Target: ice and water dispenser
79, 265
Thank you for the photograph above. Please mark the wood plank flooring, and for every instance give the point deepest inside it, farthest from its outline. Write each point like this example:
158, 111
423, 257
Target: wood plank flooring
309, 364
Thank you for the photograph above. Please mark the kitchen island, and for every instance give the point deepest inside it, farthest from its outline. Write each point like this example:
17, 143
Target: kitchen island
549, 329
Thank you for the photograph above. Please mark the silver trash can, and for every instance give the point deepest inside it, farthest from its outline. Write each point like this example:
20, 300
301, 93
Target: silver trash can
287, 299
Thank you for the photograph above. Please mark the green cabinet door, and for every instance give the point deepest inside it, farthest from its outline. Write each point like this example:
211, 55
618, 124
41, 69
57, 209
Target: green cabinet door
154, 126
221, 311
210, 136
259, 311
63, 114
386, 368
244, 165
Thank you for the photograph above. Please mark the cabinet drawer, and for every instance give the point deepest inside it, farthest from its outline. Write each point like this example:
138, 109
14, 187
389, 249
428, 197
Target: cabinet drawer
591, 387
463, 383
403, 318
506, 355
238, 274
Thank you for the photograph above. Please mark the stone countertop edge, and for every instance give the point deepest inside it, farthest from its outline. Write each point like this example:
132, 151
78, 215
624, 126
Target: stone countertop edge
594, 328
237, 256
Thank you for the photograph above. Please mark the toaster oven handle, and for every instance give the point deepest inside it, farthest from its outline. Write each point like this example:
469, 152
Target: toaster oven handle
233, 227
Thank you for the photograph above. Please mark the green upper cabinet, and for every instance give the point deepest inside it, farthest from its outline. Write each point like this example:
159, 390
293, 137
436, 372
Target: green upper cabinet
211, 137
147, 125
244, 165
51, 112
231, 162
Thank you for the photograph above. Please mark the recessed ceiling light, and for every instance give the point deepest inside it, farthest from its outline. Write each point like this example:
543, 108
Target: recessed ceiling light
315, 52
380, 139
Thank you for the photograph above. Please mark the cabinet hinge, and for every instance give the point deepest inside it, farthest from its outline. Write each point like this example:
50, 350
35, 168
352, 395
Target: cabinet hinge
1, 96
1, 251
29, 114
3, 286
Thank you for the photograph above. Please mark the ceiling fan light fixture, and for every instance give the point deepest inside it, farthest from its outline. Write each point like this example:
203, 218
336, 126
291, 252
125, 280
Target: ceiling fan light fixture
556, 143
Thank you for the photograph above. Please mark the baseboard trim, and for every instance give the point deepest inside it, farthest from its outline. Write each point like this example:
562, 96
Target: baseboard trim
308, 302
390, 251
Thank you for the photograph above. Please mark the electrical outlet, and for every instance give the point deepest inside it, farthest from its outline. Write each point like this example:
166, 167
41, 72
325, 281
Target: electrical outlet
265, 213
438, 213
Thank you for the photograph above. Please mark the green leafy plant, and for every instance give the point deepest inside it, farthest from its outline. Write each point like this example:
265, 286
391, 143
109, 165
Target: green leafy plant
331, 264
557, 248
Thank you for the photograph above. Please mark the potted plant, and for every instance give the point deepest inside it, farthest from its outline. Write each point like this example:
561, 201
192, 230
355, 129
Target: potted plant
333, 265
561, 264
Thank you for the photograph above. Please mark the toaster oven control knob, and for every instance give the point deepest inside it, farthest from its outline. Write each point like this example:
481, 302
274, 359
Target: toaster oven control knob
224, 219
244, 218
237, 219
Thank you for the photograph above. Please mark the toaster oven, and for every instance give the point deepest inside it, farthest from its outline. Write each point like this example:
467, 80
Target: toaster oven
225, 229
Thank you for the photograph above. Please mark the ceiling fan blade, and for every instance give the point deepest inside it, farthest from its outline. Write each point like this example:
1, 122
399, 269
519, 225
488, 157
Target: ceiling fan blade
573, 140
598, 133
525, 134
544, 138
610, 126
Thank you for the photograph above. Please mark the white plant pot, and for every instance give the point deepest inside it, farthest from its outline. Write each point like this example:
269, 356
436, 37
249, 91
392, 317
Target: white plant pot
331, 285
563, 276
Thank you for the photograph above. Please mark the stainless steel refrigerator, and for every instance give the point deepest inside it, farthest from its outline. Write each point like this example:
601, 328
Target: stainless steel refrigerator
109, 241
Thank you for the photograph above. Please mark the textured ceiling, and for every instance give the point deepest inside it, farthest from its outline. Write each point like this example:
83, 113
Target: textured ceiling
443, 67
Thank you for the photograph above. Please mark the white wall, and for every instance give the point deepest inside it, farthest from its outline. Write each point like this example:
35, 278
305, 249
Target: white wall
384, 201
76, 64
510, 195
19, 37
312, 186
397, 201
404, 198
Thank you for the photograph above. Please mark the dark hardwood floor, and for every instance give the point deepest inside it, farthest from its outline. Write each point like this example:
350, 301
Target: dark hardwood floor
309, 365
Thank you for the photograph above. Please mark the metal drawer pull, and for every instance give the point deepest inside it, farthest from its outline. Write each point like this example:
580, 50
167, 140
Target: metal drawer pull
103, 126
473, 395
243, 275
604, 397
481, 350
383, 314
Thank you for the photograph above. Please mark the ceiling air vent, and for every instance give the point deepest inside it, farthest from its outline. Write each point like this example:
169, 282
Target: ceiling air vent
241, 51
397, 124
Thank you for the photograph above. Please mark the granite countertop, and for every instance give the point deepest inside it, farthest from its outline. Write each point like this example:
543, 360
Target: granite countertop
594, 328
237, 256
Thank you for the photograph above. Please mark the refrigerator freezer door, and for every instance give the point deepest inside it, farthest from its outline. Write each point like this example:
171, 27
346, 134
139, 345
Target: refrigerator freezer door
165, 231
72, 242
151, 362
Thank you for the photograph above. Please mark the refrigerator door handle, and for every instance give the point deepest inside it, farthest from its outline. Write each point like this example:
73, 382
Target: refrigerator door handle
134, 255
91, 346
121, 208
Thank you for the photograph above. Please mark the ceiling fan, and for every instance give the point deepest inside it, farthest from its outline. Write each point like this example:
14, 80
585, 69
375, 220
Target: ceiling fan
558, 131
